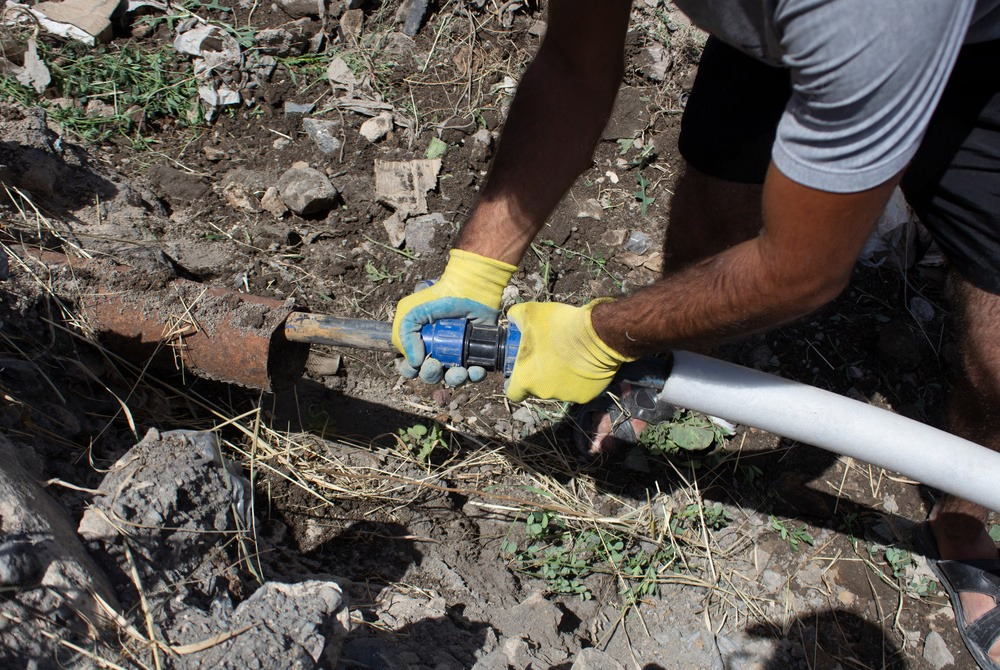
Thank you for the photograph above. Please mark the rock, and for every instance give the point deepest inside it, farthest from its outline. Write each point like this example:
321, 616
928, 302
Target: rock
306, 190
282, 43
395, 228
99, 108
638, 242
39, 549
613, 238
525, 416
213, 154
351, 24
655, 62
591, 210
299, 107
377, 127
300, 625
537, 29
302, 8
240, 196
420, 232
536, 619
594, 659
323, 366
495, 660
271, 202
324, 134
936, 651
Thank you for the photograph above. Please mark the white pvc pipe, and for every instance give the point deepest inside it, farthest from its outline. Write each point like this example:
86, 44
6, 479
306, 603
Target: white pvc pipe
833, 422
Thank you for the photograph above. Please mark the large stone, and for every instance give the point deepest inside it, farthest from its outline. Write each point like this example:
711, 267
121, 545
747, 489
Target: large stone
45, 572
306, 190
298, 9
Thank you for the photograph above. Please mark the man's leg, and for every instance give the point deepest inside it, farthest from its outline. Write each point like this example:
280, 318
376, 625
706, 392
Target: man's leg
973, 413
708, 215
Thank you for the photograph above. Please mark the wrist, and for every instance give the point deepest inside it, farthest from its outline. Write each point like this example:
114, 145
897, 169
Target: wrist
603, 333
477, 277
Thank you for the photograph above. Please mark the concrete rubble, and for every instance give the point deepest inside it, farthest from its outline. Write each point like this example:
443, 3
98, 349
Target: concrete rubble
159, 536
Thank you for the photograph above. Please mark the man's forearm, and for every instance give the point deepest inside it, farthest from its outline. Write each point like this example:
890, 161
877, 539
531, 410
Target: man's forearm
562, 104
727, 295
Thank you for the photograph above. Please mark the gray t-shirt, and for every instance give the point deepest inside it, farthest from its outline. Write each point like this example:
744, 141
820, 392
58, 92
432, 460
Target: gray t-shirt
866, 75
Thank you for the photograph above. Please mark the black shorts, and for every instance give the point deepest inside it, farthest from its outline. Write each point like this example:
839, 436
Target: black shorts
953, 182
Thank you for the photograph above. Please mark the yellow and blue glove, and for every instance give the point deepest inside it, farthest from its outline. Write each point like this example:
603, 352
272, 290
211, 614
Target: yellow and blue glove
561, 356
471, 287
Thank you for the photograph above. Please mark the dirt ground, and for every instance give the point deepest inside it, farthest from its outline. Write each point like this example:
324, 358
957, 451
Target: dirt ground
758, 553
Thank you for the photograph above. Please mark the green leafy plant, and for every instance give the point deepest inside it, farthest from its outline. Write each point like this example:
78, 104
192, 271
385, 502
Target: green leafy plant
686, 432
792, 537
640, 194
422, 441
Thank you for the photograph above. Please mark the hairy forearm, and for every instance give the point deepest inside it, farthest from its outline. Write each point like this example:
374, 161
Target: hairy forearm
555, 120
733, 293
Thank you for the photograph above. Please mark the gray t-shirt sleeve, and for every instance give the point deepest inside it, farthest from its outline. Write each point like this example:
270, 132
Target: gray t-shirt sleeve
866, 77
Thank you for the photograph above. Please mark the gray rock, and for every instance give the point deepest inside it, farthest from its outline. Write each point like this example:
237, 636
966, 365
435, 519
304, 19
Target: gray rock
280, 42
536, 619
40, 550
495, 660
306, 190
301, 8
324, 134
420, 232
300, 625
299, 107
638, 242
594, 659
936, 651
271, 202
376, 127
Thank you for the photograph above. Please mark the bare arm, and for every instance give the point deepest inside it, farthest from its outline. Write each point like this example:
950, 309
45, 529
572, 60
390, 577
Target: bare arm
562, 104
802, 259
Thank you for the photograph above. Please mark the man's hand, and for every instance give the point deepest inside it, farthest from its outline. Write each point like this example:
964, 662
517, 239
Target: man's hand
470, 288
560, 356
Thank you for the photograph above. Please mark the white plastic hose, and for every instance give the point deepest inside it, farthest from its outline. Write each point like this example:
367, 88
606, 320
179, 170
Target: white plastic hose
833, 422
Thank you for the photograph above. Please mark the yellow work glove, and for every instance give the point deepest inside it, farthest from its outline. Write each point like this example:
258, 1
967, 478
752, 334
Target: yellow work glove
471, 287
560, 356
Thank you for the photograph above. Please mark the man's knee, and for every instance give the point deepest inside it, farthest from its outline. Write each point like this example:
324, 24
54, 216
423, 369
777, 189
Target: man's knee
708, 215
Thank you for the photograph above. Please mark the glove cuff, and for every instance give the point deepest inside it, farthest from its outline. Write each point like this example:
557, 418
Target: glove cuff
476, 277
597, 348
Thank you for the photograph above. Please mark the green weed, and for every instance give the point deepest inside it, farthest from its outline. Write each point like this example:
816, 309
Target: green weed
792, 537
687, 432
640, 194
421, 441
138, 85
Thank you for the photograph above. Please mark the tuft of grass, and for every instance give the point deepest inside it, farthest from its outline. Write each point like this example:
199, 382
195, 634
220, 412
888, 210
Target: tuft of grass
139, 85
